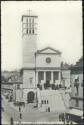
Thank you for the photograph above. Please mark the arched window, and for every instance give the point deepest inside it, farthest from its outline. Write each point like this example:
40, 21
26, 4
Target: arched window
31, 80
33, 31
42, 101
18, 86
29, 31
45, 101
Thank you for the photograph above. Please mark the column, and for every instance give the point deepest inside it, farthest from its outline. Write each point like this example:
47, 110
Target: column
44, 77
51, 77
59, 77
36, 77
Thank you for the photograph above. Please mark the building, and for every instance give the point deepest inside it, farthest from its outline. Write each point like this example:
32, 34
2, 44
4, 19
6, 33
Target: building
76, 106
39, 66
12, 85
77, 87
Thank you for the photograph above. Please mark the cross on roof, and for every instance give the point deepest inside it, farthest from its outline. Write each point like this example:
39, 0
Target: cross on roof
29, 11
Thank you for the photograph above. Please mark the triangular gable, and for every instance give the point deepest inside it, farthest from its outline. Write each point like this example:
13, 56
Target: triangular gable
48, 50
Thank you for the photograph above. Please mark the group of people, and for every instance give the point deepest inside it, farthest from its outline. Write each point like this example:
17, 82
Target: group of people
65, 118
11, 119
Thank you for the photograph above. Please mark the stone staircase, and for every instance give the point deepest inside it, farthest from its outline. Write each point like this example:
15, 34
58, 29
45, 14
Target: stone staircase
65, 97
62, 97
55, 100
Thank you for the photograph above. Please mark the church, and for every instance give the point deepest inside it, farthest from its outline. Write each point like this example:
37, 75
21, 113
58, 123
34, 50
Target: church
39, 66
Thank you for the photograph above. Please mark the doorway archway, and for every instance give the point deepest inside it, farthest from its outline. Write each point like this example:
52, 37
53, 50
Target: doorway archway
30, 97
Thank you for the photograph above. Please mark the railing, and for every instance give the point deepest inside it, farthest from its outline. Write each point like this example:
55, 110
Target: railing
76, 97
63, 99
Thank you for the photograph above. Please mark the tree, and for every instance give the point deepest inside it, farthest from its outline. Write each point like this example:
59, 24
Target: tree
3, 79
80, 61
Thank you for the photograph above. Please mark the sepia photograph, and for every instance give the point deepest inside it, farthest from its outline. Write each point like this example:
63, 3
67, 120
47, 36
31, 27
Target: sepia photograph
41, 62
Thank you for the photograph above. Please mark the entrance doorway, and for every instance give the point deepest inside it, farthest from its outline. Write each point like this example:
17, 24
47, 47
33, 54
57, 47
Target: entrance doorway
30, 97
48, 77
40, 76
55, 76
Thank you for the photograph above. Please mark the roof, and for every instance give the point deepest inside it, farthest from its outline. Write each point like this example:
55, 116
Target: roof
28, 16
11, 83
76, 112
76, 69
80, 62
54, 50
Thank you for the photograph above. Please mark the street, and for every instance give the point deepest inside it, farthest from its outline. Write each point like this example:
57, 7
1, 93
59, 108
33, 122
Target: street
29, 114
8, 112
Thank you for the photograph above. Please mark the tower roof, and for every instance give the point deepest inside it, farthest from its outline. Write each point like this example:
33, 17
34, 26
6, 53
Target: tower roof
29, 13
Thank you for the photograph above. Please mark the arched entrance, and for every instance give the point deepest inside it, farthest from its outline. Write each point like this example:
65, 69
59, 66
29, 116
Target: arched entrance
30, 97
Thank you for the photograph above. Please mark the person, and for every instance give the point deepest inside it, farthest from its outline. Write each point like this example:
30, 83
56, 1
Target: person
19, 109
62, 116
11, 120
20, 115
71, 123
48, 109
59, 117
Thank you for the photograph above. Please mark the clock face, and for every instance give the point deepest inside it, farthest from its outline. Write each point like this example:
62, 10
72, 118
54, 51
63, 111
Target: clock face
48, 60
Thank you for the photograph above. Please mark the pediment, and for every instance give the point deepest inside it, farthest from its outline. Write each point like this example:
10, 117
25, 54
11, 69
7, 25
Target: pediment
48, 50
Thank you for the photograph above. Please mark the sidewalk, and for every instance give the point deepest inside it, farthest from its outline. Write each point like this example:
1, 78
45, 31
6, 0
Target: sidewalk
5, 119
13, 106
27, 108
10, 103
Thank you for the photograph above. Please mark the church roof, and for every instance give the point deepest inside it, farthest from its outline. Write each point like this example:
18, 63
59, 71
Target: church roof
48, 48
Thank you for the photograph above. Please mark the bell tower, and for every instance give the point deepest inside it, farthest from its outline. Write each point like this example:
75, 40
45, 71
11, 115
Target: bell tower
29, 39
29, 36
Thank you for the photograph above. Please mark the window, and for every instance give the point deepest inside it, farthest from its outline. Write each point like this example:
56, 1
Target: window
29, 31
42, 101
18, 86
45, 101
55, 76
33, 31
77, 103
31, 80
48, 60
30, 26
33, 20
29, 20
40, 76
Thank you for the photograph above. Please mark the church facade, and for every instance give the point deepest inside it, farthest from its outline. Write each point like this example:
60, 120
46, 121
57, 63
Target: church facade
39, 66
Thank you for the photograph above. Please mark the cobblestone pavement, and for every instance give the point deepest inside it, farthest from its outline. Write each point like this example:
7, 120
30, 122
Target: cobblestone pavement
29, 114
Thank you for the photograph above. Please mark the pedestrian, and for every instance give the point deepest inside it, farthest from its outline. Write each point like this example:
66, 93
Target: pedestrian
59, 117
11, 120
48, 109
19, 109
71, 123
20, 115
62, 117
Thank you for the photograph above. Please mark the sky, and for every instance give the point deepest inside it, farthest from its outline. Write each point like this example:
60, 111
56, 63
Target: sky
59, 26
